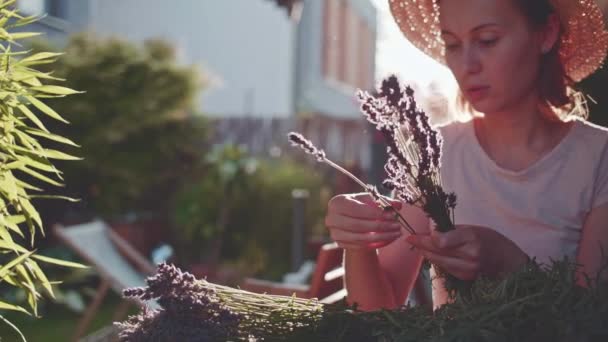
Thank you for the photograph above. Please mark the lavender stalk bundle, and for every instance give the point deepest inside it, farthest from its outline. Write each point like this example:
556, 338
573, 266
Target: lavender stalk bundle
190, 311
414, 151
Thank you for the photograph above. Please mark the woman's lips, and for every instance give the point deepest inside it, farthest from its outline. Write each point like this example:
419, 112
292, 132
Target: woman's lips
477, 93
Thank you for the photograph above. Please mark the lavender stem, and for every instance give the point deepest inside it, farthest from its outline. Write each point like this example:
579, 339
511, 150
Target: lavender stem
386, 204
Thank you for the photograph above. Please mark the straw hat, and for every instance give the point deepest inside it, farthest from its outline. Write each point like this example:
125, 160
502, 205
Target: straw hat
584, 42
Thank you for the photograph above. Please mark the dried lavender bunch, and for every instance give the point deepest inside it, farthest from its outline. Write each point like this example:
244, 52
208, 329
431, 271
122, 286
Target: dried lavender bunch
190, 312
414, 159
300, 141
414, 150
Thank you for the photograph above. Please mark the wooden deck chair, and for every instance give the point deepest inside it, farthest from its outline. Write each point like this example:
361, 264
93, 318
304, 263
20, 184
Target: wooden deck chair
113, 258
326, 283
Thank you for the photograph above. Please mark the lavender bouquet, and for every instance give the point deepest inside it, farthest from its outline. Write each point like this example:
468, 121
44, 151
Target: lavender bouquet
413, 164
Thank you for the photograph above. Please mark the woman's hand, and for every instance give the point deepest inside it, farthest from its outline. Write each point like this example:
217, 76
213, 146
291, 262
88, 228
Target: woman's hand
356, 222
470, 251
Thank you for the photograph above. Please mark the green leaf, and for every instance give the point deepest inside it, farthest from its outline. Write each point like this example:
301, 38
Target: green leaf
37, 271
56, 90
14, 165
15, 219
30, 115
11, 222
41, 56
31, 213
27, 186
7, 246
32, 82
23, 35
45, 109
54, 261
7, 306
40, 176
28, 72
6, 236
8, 186
43, 165
53, 137
4, 270
52, 154
7, 3
26, 21
69, 199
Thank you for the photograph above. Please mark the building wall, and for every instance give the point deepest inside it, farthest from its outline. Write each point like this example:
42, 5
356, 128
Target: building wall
246, 47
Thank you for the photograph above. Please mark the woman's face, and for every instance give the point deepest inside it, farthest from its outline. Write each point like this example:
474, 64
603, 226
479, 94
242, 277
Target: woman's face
492, 51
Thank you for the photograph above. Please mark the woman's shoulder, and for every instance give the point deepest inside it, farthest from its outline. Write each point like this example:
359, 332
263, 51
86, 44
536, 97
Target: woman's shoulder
454, 131
591, 132
592, 139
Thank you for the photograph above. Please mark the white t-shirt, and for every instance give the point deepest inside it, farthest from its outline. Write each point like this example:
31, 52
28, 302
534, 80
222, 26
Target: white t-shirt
541, 208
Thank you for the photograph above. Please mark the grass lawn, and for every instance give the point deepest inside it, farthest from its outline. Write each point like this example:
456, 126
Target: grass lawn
57, 324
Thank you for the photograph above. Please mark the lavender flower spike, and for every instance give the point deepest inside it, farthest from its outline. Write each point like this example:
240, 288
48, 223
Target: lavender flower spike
298, 140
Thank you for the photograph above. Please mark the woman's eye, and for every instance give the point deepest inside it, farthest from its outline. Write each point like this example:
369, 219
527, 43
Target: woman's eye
488, 42
451, 47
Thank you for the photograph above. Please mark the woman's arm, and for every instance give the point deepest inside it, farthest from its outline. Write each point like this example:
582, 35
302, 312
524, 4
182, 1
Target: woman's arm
384, 278
594, 235
399, 261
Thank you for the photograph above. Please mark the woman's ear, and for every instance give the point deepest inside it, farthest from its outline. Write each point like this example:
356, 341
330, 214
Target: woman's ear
550, 34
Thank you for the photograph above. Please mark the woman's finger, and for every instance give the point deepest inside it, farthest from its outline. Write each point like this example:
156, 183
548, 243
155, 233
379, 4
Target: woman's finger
369, 246
460, 268
453, 238
425, 243
363, 238
354, 205
357, 225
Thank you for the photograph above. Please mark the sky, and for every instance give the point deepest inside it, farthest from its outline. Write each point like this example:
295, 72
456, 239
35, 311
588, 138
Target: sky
397, 55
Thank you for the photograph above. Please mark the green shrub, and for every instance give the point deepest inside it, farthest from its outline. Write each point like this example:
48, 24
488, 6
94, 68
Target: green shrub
241, 210
136, 123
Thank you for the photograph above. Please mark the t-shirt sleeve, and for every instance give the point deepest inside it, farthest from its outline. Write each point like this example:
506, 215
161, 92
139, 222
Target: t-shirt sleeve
600, 188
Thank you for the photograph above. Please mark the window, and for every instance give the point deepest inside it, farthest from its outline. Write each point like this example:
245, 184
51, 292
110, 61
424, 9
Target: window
331, 60
53, 8
32, 7
347, 46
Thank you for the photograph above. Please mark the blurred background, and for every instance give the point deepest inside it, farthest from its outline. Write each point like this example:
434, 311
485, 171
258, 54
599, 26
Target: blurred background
183, 127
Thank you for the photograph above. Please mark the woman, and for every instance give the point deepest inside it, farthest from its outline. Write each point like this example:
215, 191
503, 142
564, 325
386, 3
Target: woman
531, 181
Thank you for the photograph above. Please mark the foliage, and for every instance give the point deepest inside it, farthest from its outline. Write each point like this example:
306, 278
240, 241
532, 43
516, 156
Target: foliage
203, 207
23, 158
535, 303
241, 209
135, 122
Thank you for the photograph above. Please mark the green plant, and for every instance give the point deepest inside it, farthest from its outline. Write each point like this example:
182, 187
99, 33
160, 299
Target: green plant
23, 158
136, 123
240, 209
204, 208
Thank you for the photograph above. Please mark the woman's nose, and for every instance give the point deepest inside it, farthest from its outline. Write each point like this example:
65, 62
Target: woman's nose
471, 61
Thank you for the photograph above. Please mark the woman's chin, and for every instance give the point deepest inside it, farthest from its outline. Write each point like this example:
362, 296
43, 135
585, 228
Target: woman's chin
484, 106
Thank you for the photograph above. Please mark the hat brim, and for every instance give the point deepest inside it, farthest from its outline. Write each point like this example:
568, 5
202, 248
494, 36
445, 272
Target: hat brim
584, 41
